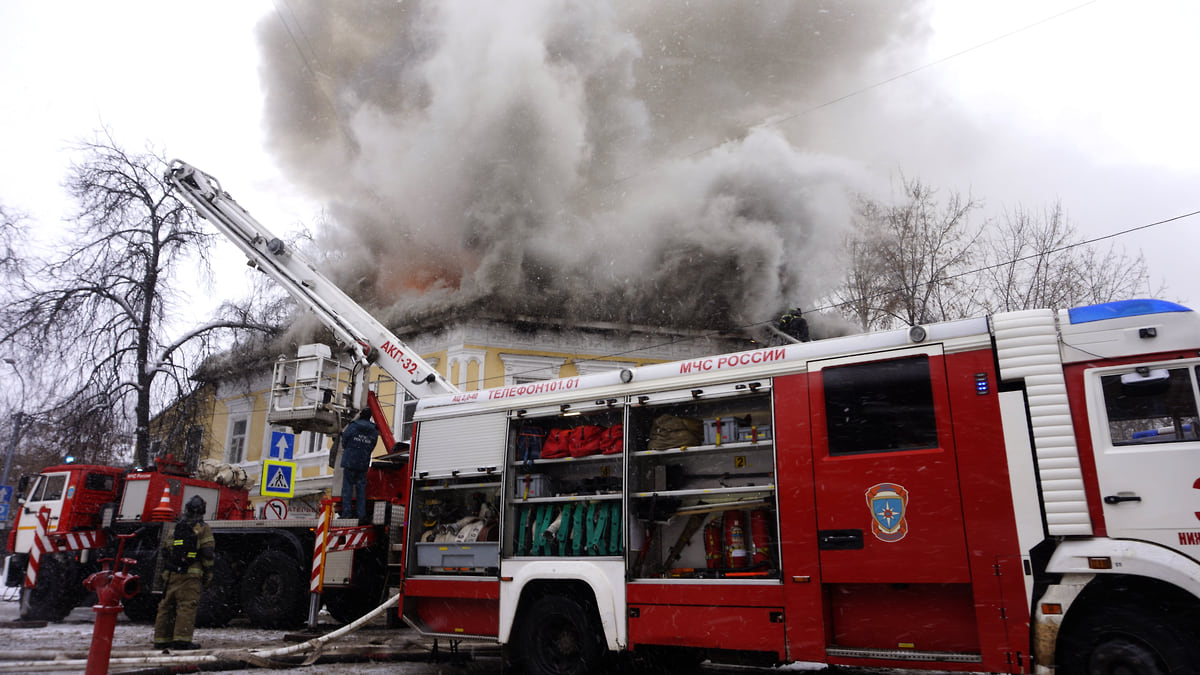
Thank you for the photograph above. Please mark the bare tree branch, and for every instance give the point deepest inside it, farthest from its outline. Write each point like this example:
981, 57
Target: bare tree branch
98, 312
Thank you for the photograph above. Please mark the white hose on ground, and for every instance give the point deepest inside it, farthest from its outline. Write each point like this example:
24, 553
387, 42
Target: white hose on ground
252, 656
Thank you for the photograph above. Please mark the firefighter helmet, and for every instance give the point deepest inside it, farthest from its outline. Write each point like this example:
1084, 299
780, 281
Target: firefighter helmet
195, 508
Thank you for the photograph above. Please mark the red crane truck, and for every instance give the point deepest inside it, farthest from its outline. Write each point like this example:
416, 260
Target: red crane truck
262, 567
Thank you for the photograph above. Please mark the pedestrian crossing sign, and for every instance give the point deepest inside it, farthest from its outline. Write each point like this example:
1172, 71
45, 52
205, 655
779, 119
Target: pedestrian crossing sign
278, 478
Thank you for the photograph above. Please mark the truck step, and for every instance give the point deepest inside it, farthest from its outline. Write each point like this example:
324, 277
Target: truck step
904, 655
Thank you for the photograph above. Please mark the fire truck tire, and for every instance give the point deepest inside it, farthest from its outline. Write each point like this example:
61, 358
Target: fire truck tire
347, 604
52, 599
273, 591
1126, 639
143, 607
557, 635
219, 603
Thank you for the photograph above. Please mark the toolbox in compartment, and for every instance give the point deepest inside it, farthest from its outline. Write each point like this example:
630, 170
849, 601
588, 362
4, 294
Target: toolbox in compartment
532, 485
720, 430
753, 433
453, 555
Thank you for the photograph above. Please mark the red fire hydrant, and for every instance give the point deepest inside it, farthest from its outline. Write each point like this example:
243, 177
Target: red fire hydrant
111, 587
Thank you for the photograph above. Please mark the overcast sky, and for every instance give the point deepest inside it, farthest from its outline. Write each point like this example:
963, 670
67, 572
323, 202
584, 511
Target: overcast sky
1091, 103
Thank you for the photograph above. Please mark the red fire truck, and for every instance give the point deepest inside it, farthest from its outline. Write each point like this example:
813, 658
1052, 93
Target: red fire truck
1005, 494
1015, 493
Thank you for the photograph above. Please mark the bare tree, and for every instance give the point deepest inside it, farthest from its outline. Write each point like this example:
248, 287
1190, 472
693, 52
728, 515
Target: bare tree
12, 232
100, 312
1037, 260
907, 261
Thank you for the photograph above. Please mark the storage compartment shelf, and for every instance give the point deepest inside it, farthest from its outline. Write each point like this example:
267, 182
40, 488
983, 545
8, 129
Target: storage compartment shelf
458, 486
562, 460
569, 498
701, 492
458, 556
766, 444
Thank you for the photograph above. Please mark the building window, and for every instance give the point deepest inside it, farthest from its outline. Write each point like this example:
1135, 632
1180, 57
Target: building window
523, 368
308, 443
235, 452
591, 367
461, 361
880, 406
405, 418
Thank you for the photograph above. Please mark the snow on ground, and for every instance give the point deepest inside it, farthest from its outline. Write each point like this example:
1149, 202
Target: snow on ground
73, 637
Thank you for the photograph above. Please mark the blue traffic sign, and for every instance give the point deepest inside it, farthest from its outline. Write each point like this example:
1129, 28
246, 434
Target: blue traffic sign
282, 445
6, 493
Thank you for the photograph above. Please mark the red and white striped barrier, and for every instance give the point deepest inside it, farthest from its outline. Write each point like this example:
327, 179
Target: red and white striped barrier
41, 545
349, 538
77, 541
316, 582
46, 542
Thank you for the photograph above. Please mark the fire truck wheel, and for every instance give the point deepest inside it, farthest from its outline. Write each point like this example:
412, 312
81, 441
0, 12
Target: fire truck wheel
219, 603
52, 599
1127, 639
557, 635
347, 604
143, 607
273, 591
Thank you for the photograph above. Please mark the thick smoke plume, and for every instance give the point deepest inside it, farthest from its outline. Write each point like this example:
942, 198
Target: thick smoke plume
579, 159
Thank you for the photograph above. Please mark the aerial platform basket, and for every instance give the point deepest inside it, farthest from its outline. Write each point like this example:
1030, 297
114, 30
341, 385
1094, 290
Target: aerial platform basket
308, 392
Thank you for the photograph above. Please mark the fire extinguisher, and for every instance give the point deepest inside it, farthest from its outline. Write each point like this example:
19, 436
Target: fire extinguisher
759, 532
735, 540
712, 545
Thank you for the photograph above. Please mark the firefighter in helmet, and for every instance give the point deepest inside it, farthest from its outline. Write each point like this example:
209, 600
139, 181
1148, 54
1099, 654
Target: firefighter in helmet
794, 325
188, 563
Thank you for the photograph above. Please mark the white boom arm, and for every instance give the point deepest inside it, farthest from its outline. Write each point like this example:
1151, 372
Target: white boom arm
369, 341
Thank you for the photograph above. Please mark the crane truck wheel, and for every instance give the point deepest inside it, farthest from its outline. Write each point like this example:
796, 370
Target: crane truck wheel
54, 597
219, 602
143, 607
557, 635
273, 591
1128, 639
347, 604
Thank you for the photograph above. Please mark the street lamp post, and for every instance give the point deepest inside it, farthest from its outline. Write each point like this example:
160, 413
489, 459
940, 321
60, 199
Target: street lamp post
18, 418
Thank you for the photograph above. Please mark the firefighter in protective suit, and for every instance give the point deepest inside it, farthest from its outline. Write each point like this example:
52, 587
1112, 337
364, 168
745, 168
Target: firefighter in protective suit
793, 324
176, 619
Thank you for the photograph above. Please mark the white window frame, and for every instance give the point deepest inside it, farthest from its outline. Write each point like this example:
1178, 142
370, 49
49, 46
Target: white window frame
522, 368
239, 411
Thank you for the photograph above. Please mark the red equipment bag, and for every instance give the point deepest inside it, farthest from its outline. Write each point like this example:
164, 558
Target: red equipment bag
613, 440
557, 444
586, 440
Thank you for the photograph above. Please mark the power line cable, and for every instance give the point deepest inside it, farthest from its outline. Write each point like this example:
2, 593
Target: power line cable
835, 306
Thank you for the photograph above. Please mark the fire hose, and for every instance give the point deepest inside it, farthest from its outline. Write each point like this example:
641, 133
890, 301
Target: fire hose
263, 658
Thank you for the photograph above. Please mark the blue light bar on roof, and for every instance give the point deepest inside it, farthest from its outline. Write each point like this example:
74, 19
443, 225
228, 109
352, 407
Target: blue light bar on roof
1122, 308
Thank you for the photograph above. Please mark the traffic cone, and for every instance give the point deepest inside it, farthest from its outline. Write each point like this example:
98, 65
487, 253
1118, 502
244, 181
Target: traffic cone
163, 512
